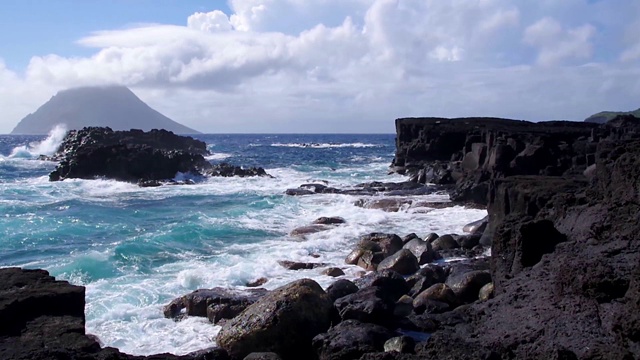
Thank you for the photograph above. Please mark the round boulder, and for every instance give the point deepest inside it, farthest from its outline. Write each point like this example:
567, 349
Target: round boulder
445, 242
403, 262
486, 292
284, 321
340, 288
439, 292
467, 285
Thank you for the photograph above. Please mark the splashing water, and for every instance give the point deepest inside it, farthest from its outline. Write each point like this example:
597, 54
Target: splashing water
47, 146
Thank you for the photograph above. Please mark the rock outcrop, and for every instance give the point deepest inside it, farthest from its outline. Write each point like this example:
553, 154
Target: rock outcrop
136, 156
467, 153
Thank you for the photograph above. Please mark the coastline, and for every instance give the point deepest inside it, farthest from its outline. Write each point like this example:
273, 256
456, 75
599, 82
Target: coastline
544, 227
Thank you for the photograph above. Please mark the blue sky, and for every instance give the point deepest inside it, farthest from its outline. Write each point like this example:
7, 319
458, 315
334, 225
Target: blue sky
326, 65
41, 27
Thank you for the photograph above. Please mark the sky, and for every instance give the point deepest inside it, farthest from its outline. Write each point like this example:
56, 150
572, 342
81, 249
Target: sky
326, 66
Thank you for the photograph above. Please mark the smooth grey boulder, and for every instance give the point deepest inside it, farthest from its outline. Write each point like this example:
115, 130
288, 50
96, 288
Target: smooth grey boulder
403, 262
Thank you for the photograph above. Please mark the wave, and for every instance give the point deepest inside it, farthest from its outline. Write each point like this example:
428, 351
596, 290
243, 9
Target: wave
218, 156
46, 147
326, 145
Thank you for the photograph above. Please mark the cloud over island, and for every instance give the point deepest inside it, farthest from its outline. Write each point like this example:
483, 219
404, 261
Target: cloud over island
354, 66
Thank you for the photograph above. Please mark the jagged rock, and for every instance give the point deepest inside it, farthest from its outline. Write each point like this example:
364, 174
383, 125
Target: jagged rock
351, 339
284, 321
403, 262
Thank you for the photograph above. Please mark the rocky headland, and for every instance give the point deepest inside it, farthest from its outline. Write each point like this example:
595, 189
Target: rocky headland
148, 158
562, 280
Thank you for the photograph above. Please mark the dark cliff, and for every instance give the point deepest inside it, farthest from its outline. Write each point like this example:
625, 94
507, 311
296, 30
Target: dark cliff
563, 202
467, 153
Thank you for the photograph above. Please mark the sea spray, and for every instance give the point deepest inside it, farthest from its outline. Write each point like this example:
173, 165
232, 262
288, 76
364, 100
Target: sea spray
47, 147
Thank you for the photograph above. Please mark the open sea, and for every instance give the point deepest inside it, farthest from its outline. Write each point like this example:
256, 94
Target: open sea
135, 249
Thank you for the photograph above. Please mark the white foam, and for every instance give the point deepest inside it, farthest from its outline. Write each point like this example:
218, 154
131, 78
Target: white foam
326, 145
218, 156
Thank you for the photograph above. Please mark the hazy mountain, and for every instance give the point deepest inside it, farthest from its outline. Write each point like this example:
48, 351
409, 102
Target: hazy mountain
113, 106
604, 116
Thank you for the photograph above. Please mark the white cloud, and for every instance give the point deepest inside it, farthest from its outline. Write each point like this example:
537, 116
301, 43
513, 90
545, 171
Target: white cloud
557, 44
210, 22
337, 65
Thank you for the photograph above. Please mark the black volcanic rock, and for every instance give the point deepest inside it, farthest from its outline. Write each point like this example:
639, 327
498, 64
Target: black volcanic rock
127, 155
113, 106
44, 319
136, 156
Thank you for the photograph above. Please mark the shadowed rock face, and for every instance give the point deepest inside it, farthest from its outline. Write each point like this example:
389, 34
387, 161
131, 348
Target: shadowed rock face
468, 153
113, 106
565, 262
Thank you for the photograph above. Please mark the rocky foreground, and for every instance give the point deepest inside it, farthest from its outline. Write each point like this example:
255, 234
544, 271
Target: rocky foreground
562, 281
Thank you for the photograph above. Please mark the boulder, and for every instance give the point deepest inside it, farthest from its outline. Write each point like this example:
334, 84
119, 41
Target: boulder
431, 237
217, 312
257, 282
444, 242
437, 292
388, 243
307, 230
351, 339
421, 249
371, 305
333, 272
403, 262
388, 205
389, 281
284, 321
467, 285
403, 307
340, 288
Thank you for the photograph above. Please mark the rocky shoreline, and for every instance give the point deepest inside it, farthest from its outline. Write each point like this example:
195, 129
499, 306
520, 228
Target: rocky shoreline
562, 281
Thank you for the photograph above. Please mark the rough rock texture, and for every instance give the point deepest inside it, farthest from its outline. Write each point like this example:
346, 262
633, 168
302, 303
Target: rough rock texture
196, 302
136, 156
283, 321
43, 319
350, 339
565, 252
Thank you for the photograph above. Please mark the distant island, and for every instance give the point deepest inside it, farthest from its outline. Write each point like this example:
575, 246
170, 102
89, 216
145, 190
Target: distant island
114, 106
604, 116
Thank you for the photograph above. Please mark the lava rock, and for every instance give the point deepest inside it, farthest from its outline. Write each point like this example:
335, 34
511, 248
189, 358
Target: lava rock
351, 339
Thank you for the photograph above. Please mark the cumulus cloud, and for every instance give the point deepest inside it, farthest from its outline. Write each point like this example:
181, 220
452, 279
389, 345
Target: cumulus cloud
336, 65
210, 22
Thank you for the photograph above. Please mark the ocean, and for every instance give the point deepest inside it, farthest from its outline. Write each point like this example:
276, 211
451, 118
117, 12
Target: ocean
135, 249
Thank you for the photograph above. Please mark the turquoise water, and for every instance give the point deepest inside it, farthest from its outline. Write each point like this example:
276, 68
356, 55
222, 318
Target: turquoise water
135, 248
